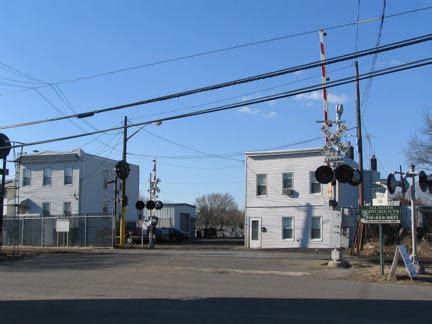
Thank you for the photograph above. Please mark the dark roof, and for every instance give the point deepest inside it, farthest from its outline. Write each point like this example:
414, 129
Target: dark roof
179, 204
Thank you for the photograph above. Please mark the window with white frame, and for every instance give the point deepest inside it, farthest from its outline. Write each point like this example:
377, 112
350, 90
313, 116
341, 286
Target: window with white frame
67, 208
26, 177
315, 186
46, 207
47, 176
261, 189
68, 173
287, 183
316, 228
287, 228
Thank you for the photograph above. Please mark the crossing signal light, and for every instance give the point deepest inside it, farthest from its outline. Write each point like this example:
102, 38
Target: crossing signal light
343, 173
158, 204
346, 174
150, 204
425, 181
392, 184
140, 205
324, 174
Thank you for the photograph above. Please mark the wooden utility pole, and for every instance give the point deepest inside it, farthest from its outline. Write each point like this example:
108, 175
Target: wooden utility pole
359, 234
123, 210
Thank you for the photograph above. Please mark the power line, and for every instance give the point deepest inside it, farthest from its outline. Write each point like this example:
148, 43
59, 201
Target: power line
277, 73
240, 96
368, 88
232, 153
343, 81
235, 47
189, 148
357, 27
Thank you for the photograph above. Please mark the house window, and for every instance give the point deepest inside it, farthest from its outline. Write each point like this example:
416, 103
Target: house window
67, 211
47, 173
68, 172
45, 209
315, 186
316, 228
26, 177
287, 182
287, 228
105, 178
261, 184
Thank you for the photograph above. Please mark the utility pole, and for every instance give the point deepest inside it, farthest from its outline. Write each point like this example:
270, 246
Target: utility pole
123, 210
359, 234
153, 196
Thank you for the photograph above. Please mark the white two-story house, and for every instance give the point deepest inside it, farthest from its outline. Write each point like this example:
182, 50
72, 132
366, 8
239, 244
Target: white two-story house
71, 183
286, 207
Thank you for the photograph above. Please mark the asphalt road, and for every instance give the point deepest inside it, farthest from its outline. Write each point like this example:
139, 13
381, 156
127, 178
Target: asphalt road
206, 286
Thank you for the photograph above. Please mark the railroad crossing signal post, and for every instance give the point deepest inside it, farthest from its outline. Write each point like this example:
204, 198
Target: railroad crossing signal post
123, 177
4, 152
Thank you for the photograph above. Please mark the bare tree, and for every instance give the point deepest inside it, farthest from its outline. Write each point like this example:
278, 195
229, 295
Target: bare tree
419, 151
217, 210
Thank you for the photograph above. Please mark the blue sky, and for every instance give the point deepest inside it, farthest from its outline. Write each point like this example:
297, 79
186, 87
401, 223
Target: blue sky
60, 40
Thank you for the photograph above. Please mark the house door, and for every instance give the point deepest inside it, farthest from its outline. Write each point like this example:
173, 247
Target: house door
255, 233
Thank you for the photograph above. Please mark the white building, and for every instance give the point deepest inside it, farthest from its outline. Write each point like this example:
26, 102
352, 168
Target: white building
176, 215
71, 183
9, 208
287, 208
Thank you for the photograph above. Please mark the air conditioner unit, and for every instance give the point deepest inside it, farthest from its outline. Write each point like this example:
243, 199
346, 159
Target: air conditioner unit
288, 191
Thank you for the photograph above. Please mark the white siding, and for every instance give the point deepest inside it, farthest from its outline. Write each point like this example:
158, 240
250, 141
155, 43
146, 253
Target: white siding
301, 165
301, 205
169, 215
86, 193
93, 193
55, 194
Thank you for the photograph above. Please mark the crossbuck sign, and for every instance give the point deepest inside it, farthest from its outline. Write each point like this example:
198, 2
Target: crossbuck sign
333, 140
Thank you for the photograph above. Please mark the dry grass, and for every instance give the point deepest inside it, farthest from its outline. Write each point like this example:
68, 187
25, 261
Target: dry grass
424, 248
371, 273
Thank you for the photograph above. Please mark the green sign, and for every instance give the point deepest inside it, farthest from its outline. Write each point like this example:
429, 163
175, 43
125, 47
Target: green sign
380, 214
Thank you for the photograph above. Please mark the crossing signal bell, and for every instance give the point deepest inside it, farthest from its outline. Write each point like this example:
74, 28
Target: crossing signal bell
425, 181
343, 173
392, 184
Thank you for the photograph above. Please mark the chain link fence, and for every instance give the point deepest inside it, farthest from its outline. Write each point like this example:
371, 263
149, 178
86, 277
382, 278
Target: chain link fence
86, 230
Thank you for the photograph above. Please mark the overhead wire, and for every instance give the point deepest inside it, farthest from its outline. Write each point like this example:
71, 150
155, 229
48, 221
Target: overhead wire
368, 87
240, 96
343, 81
272, 74
235, 47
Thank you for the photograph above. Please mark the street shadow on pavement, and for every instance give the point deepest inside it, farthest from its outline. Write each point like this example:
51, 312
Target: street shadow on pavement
215, 310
